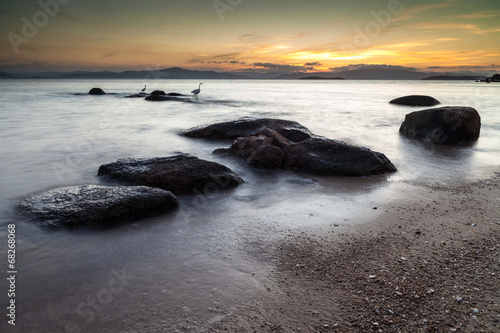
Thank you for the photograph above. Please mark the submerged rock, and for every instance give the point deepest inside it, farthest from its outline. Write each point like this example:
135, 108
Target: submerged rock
93, 205
269, 149
181, 174
416, 100
445, 125
96, 91
157, 98
248, 126
139, 95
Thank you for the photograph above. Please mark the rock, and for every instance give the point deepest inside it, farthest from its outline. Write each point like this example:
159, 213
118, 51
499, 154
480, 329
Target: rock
181, 174
92, 205
139, 95
335, 158
415, 100
445, 125
157, 98
175, 94
494, 78
270, 149
247, 126
96, 91
158, 93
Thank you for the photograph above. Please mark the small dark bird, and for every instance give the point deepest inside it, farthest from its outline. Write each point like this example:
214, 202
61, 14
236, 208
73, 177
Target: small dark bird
197, 91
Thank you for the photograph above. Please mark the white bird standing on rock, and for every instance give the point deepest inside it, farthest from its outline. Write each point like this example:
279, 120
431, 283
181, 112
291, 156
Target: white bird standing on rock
143, 89
197, 91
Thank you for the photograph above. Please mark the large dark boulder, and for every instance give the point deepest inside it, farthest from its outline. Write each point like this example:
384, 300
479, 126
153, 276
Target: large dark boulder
248, 126
181, 174
445, 125
269, 149
415, 100
96, 91
92, 205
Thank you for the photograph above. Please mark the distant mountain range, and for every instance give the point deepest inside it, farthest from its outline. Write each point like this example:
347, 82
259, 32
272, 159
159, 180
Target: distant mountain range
453, 77
321, 78
167, 73
181, 73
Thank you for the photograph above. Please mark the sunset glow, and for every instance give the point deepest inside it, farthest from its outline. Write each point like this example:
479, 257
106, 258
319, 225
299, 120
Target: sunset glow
62, 35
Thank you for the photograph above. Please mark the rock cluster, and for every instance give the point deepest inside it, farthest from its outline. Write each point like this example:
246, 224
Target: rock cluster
269, 149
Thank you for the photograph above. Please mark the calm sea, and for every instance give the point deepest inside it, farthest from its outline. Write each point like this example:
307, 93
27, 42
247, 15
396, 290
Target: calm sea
53, 134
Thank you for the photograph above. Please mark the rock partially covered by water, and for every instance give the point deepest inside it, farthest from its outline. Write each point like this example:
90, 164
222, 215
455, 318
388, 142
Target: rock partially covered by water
445, 125
157, 98
248, 126
416, 100
181, 174
158, 93
92, 205
96, 91
270, 149
139, 95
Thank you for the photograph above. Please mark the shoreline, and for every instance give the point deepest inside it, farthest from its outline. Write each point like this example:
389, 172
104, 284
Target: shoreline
428, 262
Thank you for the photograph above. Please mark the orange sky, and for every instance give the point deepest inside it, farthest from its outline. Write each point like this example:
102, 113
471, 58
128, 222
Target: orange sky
251, 35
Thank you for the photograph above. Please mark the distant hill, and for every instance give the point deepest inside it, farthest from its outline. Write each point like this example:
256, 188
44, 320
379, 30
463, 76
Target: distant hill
4, 75
363, 74
366, 73
167, 73
454, 77
320, 78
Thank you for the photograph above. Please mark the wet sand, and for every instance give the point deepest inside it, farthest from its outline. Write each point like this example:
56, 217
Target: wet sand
394, 257
426, 262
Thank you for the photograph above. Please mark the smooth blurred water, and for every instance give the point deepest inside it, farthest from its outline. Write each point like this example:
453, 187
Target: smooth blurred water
53, 134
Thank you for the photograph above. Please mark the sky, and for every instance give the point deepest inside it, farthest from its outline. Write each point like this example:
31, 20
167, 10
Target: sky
249, 35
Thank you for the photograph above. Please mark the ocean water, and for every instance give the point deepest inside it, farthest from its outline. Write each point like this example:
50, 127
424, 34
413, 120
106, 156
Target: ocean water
216, 247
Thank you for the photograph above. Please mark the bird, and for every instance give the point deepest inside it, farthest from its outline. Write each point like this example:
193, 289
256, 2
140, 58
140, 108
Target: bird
197, 91
143, 89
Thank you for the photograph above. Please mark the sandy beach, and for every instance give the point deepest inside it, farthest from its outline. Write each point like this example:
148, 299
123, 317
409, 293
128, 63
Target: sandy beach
428, 262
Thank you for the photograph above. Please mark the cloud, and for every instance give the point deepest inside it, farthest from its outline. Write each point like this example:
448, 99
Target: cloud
410, 13
471, 28
478, 15
312, 63
254, 38
232, 62
226, 58
282, 68
382, 67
